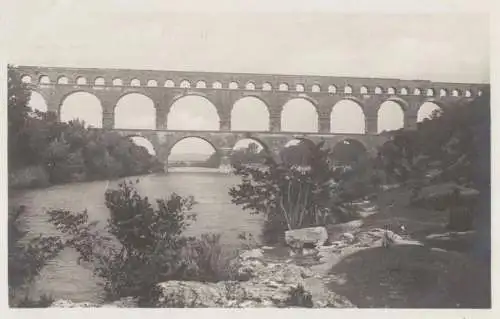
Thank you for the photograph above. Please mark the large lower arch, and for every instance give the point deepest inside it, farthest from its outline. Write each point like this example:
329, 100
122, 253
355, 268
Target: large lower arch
250, 114
427, 110
347, 117
299, 115
297, 151
135, 111
390, 117
194, 113
249, 151
348, 152
82, 106
145, 143
37, 102
193, 151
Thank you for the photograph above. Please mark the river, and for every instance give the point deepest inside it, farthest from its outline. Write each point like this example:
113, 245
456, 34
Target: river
65, 278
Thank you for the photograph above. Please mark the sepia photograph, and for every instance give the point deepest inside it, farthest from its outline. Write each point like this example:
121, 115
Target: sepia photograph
161, 158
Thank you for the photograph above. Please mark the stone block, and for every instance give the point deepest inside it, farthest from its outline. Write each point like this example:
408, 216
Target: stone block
314, 236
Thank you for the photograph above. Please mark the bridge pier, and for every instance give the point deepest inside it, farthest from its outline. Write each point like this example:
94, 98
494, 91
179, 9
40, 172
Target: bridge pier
225, 160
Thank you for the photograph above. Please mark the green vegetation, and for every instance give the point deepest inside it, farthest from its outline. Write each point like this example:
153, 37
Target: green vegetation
43, 151
146, 245
27, 256
302, 190
452, 148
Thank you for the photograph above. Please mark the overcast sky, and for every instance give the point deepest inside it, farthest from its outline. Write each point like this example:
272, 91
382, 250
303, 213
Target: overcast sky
451, 47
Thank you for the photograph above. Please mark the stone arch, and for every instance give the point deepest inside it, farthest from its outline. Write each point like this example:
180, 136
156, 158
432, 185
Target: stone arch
62, 80
99, 81
299, 88
297, 151
244, 114
429, 92
37, 102
233, 85
267, 86
253, 139
347, 89
201, 84
349, 151
379, 90
283, 87
117, 82
455, 92
135, 110
135, 82
81, 80
26, 79
169, 84
250, 86
417, 91
468, 93
347, 116
249, 150
390, 116
185, 84
299, 115
332, 89
363, 90
152, 83
403, 91
44, 79
315, 88
443, 92
83, 106
391, 91
426, 109
142, 141
217, 85
193, 112
180, 152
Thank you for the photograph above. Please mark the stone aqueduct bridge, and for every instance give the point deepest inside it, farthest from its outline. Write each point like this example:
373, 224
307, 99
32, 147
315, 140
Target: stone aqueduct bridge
224, 89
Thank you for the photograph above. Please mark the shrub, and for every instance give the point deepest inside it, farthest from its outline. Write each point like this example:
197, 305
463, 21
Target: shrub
204, 259
26, 258
299, 297
146, 247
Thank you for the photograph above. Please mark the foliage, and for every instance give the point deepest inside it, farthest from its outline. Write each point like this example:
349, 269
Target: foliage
146, 247
67, 151
248, 155
299, 297
454, 143
294, 196
27, 256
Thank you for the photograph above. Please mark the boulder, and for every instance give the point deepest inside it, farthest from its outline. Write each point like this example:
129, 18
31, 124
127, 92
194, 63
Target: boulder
269, 285
314, 236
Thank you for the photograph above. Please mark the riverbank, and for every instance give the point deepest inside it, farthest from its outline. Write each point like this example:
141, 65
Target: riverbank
354, 270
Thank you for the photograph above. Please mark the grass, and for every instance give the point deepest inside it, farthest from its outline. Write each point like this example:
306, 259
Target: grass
412, 276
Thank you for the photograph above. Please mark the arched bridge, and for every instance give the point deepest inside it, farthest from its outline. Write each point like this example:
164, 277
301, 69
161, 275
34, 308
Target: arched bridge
223, 90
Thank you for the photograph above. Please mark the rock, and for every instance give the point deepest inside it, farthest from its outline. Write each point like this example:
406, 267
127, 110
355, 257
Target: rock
62, 303
127, 302
348, 237
252, 254
268, 285
297, 238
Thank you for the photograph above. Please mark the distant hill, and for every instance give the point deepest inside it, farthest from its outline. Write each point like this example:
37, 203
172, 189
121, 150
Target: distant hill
188, 157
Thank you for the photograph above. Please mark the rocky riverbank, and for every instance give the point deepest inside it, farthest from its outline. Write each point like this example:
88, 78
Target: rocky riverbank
267, 277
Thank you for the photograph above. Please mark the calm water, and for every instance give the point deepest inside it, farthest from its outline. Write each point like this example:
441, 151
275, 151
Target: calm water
65, 278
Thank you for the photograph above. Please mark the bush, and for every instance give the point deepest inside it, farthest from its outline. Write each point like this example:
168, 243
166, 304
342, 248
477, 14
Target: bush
146, 247
299, 297
204, 259
294, 196
26, 258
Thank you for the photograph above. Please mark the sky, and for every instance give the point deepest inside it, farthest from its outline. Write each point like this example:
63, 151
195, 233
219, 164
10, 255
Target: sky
450, 47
